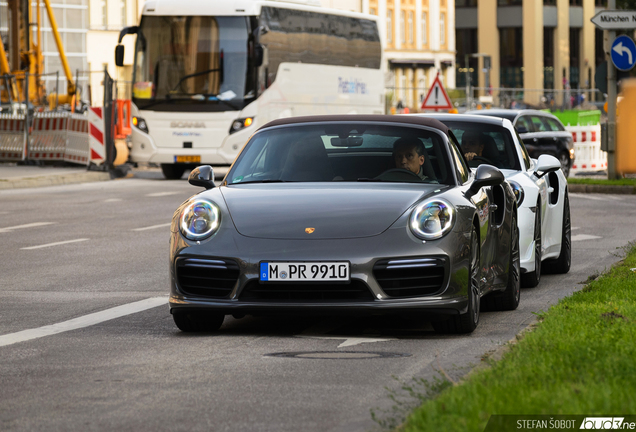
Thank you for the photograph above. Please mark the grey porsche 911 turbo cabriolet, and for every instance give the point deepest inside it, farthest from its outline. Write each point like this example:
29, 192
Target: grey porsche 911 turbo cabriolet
346, 214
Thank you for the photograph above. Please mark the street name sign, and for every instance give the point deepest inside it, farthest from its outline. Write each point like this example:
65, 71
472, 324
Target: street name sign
615, 20
437, 98
623, 53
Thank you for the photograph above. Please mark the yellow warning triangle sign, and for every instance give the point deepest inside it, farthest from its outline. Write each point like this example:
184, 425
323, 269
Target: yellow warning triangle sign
437, 98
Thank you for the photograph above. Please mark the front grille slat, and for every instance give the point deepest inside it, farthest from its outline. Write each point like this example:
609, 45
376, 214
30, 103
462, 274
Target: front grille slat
356, 290
206, 277
410, 277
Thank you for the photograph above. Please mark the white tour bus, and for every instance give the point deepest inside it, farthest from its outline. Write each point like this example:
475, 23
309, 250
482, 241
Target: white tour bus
207, 73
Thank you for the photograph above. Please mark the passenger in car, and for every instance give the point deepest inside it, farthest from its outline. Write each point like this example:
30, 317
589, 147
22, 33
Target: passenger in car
473, 144
410, 154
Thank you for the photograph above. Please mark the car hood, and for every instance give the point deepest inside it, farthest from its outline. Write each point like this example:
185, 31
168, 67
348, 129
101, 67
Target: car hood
334, 211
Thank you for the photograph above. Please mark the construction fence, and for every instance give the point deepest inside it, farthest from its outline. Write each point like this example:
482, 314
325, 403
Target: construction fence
84, 137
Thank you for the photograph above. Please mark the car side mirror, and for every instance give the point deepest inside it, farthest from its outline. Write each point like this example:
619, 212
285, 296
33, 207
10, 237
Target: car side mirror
546, 164
486, 175
202, 176
119, 55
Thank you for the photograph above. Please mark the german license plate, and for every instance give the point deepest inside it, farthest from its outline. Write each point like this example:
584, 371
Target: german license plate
304, 271
187, 159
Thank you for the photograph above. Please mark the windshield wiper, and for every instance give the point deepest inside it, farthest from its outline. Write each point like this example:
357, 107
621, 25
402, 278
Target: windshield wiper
261, 181
205, 72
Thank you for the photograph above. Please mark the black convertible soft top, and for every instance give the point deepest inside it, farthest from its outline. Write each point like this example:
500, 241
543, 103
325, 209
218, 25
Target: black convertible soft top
375, 118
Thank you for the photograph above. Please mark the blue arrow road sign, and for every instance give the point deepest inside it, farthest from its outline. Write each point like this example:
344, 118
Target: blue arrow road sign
623, 53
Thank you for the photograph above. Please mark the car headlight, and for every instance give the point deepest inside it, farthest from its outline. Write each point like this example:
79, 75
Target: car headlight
518, 190
140, 124
241, 123
199, 220
432, 219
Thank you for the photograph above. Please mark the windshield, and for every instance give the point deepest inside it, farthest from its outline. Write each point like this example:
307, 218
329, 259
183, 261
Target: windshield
486, 144
192, 60
343, 152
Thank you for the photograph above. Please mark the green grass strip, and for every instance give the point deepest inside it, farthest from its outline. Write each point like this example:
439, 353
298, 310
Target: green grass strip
580, 359
592, 181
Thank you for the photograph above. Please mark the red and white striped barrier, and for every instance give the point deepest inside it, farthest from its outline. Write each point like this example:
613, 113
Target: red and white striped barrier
77, 146
587, 149
96, 135
47, 139
12, 138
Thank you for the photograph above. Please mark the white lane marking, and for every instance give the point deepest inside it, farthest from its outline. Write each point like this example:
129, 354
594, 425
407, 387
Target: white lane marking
54, 244
581, 237
83, 321
152, 227
588, 196
30, 225
349, 341
112, 200
160, 194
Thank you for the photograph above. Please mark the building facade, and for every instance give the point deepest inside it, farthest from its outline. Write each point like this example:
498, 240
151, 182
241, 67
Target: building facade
71, 17
106, 19
535, 45
418, 37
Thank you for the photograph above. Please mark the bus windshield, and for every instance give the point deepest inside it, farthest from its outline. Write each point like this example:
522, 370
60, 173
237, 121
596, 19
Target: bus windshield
192, 61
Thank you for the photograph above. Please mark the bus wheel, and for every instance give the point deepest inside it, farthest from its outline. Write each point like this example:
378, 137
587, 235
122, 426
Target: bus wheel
172, 171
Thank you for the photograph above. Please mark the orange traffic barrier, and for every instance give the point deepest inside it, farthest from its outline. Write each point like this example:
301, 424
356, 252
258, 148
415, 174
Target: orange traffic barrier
122, 121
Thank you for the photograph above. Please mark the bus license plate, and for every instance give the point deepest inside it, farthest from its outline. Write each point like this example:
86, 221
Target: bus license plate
304, 271
187, 159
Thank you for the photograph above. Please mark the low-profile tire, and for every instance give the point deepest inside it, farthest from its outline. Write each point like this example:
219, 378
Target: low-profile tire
509, 298
561, 264
172, 171
531, 279
564, 158
192, 321
468, 321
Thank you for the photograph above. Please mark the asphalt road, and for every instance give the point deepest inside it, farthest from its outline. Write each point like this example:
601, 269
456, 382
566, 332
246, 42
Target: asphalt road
78, 263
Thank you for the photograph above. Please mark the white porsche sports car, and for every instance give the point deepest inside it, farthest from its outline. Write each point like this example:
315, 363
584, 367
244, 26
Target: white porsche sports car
539, 184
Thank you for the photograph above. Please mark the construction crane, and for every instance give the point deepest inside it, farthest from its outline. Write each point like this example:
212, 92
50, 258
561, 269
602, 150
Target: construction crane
25, 57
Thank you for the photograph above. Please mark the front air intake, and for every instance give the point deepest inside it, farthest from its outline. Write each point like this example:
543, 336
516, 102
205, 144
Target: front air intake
412, 277
206, 277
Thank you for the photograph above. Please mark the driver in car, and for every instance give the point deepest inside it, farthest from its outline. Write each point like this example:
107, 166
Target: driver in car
472, 144
409, 154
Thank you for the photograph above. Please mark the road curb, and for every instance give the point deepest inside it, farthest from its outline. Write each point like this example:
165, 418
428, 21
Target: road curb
604, 189
54, 180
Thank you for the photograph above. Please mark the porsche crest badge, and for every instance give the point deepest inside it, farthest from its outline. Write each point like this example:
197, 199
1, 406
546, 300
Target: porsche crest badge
310, 230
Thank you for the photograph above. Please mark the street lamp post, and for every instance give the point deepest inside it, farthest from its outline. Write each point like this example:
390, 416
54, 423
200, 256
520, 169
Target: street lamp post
468, 77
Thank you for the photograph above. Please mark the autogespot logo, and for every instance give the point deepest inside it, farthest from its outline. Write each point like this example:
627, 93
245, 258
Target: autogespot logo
605, 423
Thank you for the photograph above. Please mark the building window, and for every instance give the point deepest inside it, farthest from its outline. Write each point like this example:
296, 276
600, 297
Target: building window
442, 28
411, 28
575, 57
466, 43
511, 57
389, 26
548, 57
509, 2
424, 28
104, 13
465, 3
122, 5
403, 26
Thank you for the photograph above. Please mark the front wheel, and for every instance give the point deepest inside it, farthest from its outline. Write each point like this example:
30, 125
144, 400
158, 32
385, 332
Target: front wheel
198, 321
172, 171
565, 164
466, 322
562, 263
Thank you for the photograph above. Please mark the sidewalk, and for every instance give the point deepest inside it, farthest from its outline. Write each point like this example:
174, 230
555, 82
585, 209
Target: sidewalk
14, 176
